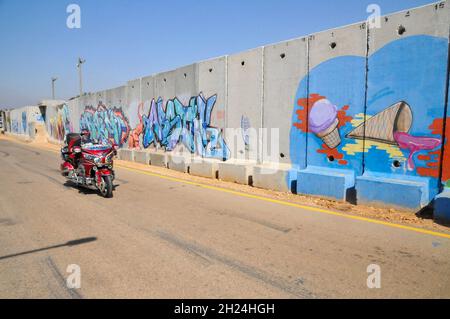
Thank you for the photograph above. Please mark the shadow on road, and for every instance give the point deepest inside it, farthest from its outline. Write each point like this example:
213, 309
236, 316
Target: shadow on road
68, 244
84, 190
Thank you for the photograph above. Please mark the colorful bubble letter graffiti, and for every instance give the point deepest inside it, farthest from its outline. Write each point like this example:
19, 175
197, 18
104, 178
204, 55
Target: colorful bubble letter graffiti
107, 125
189, 125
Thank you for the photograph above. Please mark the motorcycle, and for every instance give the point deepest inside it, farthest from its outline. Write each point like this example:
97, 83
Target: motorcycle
89, 165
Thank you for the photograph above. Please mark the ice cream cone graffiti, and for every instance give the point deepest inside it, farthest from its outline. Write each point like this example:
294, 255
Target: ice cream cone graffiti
382, 126
392, 126
324, 122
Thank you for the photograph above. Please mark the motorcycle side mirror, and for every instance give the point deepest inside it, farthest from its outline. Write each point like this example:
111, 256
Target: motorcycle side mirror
77, 150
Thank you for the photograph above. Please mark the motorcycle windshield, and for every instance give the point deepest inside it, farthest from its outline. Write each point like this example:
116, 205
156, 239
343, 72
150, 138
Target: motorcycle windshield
96, 147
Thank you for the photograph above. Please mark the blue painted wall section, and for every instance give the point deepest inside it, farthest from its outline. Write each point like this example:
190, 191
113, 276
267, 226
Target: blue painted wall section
403, 128
337, 97
400, 133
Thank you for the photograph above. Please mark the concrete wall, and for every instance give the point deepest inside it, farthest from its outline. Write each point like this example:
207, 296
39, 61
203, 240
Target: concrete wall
22, 120
346, 107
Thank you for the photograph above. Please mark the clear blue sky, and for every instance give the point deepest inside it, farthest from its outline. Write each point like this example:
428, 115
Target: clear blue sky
125, 39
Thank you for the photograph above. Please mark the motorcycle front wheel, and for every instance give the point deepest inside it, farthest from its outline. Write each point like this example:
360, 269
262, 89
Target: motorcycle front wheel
106, 189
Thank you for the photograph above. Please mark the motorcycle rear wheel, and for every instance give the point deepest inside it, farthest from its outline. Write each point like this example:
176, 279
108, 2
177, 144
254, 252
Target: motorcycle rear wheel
107, 188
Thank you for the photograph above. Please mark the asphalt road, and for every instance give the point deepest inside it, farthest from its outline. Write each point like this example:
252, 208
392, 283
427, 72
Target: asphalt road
159, 238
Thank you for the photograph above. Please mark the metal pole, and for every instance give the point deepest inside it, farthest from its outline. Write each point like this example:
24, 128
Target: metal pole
80, 74
53, 87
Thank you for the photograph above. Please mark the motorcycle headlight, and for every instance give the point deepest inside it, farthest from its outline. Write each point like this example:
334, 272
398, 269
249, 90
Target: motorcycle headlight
97, 160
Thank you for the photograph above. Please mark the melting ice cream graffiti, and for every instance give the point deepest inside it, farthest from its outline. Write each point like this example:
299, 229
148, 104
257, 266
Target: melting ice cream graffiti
392, 126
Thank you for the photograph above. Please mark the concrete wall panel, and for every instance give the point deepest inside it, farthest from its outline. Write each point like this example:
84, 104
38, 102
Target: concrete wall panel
244, 109
406, 95
212, 80
285, 65
186, 83
134, 111
337, 75
116, 97
148, 88
164, 85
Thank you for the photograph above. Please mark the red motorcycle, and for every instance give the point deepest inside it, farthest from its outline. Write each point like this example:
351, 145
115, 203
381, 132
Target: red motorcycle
88, 164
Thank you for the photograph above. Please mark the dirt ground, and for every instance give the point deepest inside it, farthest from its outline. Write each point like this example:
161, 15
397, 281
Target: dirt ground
422, 219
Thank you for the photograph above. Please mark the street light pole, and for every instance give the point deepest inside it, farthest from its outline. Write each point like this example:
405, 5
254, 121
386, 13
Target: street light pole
53, 87
80, 75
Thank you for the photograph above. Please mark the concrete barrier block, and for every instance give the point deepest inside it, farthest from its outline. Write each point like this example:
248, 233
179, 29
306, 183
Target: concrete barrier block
142, 157
336, 184
178, 162
158, 159
236, 172
204, 168
274, 177
442, 207
388, 190
126, 155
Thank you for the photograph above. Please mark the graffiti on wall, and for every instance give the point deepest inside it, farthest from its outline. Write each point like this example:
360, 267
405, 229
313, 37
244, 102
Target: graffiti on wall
107, 125
175, 124
245, 129
14, 126
401, 129
60, 125
326, 121
392, 126
24, 122
432, 169
134, 138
